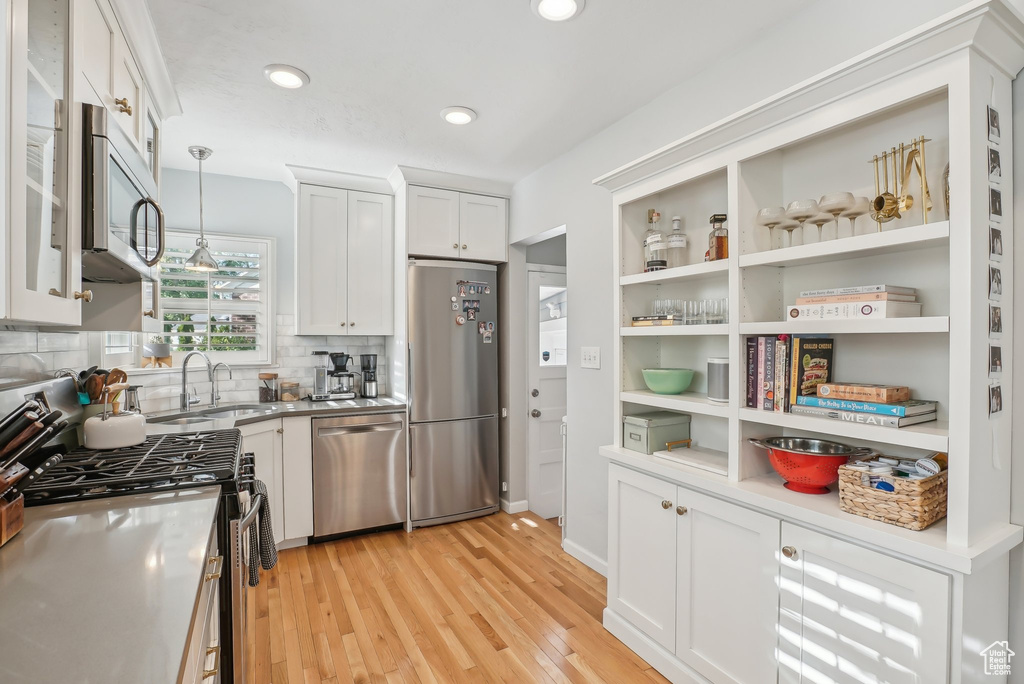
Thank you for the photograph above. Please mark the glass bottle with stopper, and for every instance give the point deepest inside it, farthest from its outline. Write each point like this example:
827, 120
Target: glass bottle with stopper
654, 244
676, 244
718, 240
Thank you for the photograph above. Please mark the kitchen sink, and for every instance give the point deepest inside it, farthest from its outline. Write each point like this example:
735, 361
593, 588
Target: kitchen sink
181, 420
234, 411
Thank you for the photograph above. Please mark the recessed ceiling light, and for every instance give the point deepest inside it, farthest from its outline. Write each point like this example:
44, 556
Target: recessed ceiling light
285, 76
557, 10
460, 116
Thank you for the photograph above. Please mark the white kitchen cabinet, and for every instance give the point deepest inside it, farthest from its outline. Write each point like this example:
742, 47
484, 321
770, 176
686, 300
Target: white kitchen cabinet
726, 594
126, 106
642, 553
847, 613
265, 441
297, 450
483, 227
344, 262
457, 225
97, 35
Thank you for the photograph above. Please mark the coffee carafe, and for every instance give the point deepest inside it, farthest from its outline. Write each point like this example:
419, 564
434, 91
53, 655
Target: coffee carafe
322, 368
368, 362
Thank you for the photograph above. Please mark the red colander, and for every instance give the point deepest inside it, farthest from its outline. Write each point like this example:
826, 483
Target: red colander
807, 465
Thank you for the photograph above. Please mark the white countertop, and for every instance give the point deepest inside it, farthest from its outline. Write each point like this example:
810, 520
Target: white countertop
103, 591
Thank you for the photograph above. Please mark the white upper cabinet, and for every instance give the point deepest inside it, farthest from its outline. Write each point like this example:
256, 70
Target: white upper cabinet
344, 262
433, 222
844, 609
126, 107
371, 262
95, 59
483, 227
642, 553
457, 225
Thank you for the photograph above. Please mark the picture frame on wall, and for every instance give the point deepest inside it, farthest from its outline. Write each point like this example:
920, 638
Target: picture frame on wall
995, 399
995, 320
995, 283
995, 359
995, 243
993, 124
995, 205
995, 167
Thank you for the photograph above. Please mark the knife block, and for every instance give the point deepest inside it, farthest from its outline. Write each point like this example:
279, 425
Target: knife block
12, 518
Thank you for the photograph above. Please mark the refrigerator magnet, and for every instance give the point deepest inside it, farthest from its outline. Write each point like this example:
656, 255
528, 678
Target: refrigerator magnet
472, 289
487, 289
487, 338
460, 320
454, 299
490, 326
481, 327
455, 306
471, 314
462, 290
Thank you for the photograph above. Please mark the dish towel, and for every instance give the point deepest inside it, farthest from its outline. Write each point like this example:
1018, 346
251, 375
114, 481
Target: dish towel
261, 538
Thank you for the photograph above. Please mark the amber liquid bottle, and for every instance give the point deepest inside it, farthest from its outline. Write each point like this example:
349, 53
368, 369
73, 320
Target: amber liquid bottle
718, 241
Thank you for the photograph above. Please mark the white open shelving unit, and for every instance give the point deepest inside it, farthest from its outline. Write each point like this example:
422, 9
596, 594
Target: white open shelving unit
817, 138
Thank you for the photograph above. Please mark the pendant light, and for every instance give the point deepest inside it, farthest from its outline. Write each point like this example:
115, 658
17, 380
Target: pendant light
201, 259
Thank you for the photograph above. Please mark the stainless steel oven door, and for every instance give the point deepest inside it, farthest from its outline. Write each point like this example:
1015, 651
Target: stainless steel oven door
123, 225
239, 590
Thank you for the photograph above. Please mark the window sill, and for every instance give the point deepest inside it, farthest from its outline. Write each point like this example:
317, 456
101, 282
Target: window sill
149, 370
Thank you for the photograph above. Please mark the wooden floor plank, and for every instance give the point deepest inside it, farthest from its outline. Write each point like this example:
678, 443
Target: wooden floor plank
493, 599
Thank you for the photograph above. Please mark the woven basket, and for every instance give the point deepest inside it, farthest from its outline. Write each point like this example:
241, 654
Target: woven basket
915, 504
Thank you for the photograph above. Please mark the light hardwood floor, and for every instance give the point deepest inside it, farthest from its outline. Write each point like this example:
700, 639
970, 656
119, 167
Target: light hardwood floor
493, 599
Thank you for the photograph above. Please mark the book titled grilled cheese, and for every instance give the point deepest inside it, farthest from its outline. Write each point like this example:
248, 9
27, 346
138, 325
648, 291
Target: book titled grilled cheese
810, 365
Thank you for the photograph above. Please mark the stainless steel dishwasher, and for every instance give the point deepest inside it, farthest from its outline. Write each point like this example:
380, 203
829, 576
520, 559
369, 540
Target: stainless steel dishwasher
359, 472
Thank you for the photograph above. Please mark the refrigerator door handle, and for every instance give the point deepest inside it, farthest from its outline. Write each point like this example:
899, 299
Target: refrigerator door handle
408, 377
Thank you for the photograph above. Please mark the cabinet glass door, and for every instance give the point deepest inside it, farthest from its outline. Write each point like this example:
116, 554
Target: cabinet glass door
46, 148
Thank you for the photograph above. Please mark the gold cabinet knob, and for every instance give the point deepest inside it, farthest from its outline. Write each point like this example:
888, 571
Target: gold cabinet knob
352, 324
463, 246
123, 106
681, 510
149, 313
789, 552
84, 295
666, 504
455, 246
343, 324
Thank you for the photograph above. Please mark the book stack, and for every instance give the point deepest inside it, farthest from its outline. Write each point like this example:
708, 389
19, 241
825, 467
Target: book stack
781, 368
883, 405
649, 321
860, 302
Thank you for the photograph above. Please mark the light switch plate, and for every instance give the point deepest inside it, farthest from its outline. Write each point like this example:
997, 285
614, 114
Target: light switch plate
590, 357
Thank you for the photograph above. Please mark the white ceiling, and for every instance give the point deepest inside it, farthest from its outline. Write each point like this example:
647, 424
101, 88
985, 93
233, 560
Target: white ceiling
381, 71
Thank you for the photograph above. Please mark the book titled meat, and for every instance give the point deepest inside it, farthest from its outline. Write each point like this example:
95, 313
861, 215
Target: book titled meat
882, 394
853, 310
865, 297
810, 365
863, 418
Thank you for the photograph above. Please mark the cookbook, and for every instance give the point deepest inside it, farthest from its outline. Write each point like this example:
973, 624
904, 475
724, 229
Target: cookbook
859, 289
900, 409
810, 365
862, 418
852, 310
884, 394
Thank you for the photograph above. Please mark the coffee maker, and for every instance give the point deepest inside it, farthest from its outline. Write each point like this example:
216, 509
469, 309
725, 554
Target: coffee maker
331, 377
369, 367
322, 367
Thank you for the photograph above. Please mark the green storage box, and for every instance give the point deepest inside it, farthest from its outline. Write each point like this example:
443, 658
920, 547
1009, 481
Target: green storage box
650, 432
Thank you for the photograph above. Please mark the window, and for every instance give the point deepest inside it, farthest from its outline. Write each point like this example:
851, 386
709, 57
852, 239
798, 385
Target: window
226, 313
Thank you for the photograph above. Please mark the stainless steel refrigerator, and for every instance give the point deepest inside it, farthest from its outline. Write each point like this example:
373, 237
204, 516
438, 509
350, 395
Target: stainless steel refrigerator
453, 390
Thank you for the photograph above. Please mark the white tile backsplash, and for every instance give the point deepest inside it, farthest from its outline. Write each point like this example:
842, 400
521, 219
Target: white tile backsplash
29, 356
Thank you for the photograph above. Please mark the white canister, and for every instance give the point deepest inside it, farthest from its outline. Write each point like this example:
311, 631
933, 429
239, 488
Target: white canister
718, 379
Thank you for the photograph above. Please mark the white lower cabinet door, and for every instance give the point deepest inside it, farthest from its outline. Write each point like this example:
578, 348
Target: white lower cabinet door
297, 471
642, 553
727, 595
264, 441
849, 614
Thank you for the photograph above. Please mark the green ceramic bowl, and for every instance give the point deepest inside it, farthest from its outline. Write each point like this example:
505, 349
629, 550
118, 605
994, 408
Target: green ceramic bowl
668, 380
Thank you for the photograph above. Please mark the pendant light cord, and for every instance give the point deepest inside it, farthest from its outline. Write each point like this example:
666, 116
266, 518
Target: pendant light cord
202, 232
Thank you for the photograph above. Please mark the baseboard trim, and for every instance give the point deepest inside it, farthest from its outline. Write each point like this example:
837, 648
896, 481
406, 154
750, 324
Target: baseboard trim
584, 556
656, 656
513, 507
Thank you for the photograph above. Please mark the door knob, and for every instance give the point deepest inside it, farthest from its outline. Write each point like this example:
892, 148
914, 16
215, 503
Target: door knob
666, 504
789, 552
535, 393
85, 295
535, 413
681, 510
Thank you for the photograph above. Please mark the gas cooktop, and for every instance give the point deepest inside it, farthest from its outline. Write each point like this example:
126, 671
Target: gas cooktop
161, 462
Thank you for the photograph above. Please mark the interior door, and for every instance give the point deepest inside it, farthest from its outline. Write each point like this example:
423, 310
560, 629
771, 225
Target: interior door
727, 591
483, 224
371, 264
321, 272
642, 552
849, 614
433, 223
547, 324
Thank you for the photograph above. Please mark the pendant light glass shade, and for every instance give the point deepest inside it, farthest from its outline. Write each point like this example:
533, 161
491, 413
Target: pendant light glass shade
201, 259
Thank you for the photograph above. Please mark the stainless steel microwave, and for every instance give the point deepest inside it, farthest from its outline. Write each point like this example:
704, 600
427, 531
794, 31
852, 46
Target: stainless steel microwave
122, 225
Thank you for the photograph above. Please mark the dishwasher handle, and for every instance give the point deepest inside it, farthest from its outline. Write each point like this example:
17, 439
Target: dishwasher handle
359, 429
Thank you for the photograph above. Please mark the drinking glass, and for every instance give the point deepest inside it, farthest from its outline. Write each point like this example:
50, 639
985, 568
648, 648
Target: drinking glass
836, 203
861, 206
800, 211
770, 217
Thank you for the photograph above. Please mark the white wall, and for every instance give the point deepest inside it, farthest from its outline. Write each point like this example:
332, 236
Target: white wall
825, 34
237, 206
1017, 444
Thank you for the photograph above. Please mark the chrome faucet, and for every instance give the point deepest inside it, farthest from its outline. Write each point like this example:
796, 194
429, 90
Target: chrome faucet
188, 400
215, 390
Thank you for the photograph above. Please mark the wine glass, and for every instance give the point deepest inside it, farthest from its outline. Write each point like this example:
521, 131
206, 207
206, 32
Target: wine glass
770, 217
789, 227
800, 211
820, 220
836, 203
861, 206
